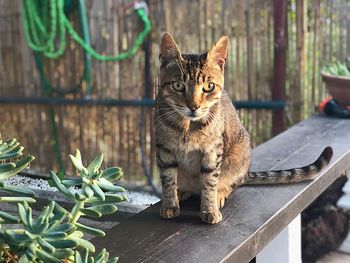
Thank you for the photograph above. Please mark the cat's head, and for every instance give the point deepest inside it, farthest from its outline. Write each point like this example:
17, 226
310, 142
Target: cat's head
191, 83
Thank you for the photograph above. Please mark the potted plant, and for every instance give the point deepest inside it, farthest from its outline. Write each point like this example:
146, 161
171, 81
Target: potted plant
337, 79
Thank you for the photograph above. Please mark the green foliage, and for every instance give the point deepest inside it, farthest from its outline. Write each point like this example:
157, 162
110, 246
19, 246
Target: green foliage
103, 256
11, 153
12, 150
55, 234
337, 69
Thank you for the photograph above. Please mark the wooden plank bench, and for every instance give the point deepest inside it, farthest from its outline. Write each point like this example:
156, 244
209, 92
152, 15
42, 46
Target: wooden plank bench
252, 216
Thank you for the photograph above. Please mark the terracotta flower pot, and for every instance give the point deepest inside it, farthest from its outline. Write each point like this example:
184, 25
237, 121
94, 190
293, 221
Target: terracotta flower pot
338, 87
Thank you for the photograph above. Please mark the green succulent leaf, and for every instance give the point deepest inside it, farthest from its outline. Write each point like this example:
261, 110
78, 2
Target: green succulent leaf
76, 162
5, 167
7, 218
78, 155
14, 148
16, 199
90, 230
16, 237
46, 257
60, 186
19, 190
101, 256
20, 165
66, 243
110, 199
112, 173
63, 253
68, 228
56, 220
44, 227
10, 155
50, 209
105, 209
110, 187
43, 216
46, 245
79, 196
84, 244
76, 234
87, 190
55, 235
98, 191
29, 219
90, 212
30, 252
61, 209
71, 182
95, 165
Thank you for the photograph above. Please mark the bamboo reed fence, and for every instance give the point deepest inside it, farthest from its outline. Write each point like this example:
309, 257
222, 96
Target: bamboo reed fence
318, 31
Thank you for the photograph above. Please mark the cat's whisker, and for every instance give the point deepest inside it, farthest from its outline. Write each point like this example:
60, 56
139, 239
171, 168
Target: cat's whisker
170, 115
163, 117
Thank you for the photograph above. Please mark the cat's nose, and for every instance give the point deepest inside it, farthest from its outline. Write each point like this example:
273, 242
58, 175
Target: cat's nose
193, 108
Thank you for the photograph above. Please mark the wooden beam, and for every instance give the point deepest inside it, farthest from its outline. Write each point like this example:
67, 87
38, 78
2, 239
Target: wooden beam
280, 55
252, 216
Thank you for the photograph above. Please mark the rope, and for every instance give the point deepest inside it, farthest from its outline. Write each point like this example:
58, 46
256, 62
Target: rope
42, 37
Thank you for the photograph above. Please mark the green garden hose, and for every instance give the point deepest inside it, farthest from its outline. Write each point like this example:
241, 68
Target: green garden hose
42, 38
45, 23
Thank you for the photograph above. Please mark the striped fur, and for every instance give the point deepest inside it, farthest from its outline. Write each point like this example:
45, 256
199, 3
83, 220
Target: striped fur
201, 145
293, 175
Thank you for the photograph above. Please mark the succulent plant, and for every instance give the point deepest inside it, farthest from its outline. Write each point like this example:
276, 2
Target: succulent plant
11, 150
55, 234
94, 182
47, 238
11, 163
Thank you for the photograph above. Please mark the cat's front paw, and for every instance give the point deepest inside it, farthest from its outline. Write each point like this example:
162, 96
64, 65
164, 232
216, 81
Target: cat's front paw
211, 217
169, 211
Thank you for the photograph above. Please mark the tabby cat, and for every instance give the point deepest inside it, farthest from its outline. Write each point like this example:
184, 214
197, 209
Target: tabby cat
201, 145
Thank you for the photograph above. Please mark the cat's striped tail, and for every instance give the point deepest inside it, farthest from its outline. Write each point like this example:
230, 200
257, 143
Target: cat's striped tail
293, 175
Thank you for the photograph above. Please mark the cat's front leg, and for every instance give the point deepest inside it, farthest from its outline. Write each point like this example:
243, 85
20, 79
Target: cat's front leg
167, 165
210, 171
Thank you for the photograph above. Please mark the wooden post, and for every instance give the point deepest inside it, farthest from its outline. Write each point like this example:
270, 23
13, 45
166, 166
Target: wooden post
280, 54
344, 202
285, 247
301, 74
348, 32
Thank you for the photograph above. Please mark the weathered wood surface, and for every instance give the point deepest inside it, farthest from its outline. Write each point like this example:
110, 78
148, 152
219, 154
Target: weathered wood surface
252, 217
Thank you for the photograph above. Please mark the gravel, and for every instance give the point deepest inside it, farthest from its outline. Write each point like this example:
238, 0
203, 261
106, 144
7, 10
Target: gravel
138, 198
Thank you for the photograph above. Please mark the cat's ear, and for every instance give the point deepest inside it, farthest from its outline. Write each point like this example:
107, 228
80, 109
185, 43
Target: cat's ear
168, 48
218, 52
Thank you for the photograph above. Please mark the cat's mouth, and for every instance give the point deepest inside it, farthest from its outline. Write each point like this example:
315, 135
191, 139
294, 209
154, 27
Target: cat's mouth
190, 115
194, 117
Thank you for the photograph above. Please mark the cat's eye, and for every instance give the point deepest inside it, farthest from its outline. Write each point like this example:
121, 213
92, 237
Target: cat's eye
209, 87
179, 86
